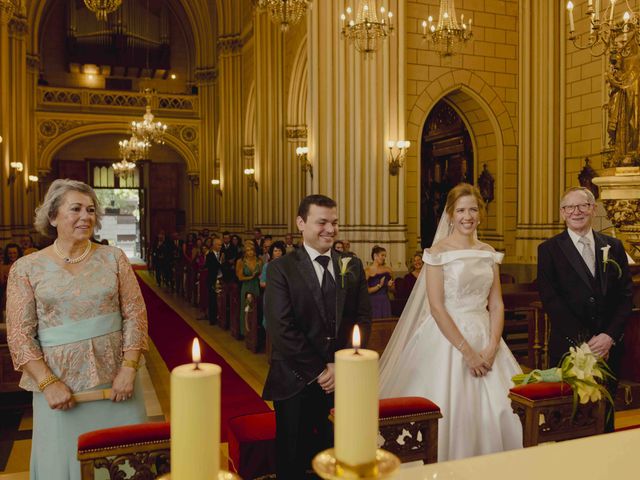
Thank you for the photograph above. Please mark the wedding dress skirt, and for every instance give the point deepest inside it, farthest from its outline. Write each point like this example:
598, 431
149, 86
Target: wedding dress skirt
477, 415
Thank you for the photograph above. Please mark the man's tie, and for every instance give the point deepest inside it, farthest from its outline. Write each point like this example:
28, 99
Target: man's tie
328, 288
587, 254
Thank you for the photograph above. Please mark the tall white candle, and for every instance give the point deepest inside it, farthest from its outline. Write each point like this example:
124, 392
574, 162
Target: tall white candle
572, 27
356, 406
195, 420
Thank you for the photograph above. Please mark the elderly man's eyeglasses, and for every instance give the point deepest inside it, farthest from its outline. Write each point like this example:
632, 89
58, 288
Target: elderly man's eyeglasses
582, 208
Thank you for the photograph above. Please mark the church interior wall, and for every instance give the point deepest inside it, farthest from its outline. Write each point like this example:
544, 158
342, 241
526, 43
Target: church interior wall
492, 59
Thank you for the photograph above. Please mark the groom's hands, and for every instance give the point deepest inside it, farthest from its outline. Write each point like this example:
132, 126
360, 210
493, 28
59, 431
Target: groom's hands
327, 379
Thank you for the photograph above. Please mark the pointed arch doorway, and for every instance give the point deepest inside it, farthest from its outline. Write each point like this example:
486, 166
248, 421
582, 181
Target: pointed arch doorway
446, 160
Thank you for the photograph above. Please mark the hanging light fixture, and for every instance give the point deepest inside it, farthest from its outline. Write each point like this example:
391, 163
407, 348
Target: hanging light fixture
102, 8
148, 130
366, 29
134, 149
448, 36
123, 168
285, 12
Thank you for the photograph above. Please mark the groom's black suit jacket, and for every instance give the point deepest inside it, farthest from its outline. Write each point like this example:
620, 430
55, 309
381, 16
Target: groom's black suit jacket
579, 305
302, 344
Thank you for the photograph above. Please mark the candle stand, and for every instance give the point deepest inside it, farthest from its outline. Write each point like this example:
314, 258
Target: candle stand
327, 466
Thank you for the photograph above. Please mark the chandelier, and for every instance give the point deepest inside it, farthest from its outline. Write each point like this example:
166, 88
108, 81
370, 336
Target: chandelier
147, 129
606, 33
123, 168
366, 29
285, 12
102, 7
448, 36
133, 149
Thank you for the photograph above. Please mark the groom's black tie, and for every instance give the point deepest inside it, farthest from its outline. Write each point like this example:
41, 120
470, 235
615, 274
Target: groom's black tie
328, 288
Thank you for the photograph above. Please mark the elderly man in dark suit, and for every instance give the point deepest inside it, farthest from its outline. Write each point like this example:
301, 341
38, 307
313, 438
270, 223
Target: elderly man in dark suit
213, 263
584, 284
310, 310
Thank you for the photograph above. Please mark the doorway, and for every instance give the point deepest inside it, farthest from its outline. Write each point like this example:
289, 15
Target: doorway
446, 160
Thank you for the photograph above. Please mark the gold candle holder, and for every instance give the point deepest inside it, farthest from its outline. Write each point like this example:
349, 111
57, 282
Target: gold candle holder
327, 466
222, 475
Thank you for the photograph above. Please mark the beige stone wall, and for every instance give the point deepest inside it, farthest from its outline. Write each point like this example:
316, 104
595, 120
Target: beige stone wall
482, 84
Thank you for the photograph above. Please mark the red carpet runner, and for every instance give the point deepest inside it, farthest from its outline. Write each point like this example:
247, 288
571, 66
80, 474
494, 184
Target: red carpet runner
172, 337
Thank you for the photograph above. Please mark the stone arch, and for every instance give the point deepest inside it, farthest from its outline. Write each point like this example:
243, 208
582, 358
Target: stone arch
200, 16
88, 130
492, 132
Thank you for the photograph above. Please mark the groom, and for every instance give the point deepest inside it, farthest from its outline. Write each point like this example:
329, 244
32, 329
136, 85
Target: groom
310, 311
586, 299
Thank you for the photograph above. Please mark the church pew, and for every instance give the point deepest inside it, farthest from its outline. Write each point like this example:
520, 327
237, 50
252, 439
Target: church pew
252, 323
381, 330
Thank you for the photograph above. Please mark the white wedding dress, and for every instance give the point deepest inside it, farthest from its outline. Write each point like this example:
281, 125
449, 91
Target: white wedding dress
420, 361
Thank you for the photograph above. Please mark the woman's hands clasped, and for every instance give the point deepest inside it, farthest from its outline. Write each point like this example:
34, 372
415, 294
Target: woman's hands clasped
59, 396
122, 387
478, 366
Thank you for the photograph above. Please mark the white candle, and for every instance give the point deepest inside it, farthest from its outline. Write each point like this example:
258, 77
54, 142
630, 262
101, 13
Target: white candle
597, 10
613, 4
572, 27
195, 420
356, 406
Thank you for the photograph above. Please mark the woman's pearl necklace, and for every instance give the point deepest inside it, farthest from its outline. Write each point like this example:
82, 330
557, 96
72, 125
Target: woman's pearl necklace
72, 260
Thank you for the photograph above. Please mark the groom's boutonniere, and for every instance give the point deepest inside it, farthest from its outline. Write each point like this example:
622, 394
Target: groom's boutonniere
606, 259
344, 263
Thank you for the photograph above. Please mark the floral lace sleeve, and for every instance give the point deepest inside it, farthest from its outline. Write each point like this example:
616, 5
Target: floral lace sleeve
22, 321
132, 307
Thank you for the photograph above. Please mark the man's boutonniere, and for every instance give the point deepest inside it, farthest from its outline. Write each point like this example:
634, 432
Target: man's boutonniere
344, 263
606, 259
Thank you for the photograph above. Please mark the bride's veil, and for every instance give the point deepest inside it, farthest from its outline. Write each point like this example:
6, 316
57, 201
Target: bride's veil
415, 312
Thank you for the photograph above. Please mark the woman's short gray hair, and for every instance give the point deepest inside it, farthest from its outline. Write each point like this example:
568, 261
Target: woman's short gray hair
48, 210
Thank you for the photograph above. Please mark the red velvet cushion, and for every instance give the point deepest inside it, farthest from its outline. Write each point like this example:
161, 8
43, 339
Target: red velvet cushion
401, 406
252, 444
398, 407
542, 390
124, 435
254, 427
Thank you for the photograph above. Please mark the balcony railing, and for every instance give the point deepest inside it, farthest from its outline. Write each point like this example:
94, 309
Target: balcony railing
117, 102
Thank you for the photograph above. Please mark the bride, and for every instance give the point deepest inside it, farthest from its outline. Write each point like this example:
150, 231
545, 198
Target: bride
448, 343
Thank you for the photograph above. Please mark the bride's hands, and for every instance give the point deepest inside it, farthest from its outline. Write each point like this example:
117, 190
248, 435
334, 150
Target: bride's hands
478, 366
489, 354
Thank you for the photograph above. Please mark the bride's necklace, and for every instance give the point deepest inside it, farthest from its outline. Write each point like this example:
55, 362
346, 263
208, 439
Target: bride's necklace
68, 259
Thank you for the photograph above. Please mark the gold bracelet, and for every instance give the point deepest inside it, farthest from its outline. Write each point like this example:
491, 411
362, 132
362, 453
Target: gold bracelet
130, 363
51, 379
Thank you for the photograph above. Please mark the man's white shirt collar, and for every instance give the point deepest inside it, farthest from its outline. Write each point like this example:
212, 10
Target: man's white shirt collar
313, 254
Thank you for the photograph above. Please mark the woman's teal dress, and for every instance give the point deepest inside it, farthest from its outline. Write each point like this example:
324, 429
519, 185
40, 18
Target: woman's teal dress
80, 324
249, 286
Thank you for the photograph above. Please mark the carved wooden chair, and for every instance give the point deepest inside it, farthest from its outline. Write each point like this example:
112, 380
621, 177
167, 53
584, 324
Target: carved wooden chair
408, 427
139, 451
545, 410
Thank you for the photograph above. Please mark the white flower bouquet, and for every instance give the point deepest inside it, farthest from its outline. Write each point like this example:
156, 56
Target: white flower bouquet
581, 369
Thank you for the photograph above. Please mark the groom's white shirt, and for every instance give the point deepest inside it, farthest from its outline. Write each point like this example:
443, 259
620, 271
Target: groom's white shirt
313, 253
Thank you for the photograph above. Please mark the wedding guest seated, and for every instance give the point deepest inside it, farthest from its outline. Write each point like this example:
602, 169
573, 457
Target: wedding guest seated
379, 281
76, 322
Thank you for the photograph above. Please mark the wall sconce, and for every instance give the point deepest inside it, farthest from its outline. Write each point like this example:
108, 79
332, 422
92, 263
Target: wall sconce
250, 172
216, 185
396, 161
307, 166
16, 167
32, 179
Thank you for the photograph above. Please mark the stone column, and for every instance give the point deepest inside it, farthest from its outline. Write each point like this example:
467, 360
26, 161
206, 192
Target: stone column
230, 148
7, 8
270, 126
204, 197
357, 105
541, 133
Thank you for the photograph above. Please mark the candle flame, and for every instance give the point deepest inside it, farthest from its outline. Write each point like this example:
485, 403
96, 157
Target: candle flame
195, 351
356, 337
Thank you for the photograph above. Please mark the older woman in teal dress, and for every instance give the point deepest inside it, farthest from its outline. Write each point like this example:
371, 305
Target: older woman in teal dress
76, 322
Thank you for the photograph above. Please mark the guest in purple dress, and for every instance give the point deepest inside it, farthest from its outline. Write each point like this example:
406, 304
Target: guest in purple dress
379, 281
